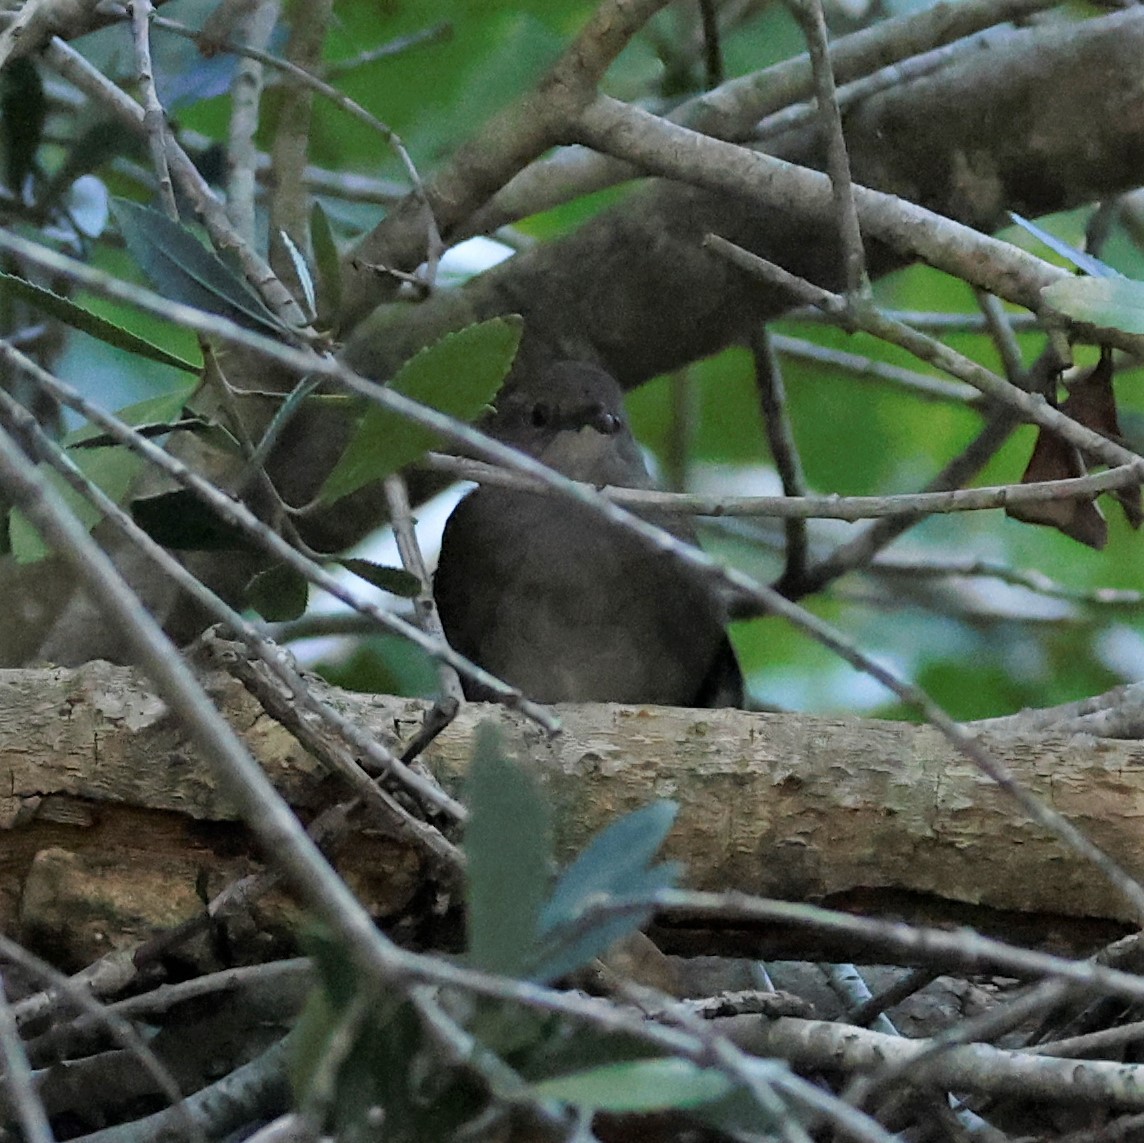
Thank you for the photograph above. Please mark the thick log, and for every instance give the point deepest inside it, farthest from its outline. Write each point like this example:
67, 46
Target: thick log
112, 824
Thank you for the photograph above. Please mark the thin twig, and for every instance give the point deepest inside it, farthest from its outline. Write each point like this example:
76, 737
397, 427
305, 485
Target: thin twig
435, 34
73, 67
659, 541
810, 17
245, 103
997, 322
401, 517
784, 448
916, 384
301, 694
825, 507
154, 117
19, 1080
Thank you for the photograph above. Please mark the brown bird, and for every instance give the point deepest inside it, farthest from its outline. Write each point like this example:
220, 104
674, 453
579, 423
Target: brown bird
552, 598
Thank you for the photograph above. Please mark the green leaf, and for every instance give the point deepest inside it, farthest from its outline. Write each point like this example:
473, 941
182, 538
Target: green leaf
111, 469
508, 850
278, 594
75, 315
614, 866
569, 946
162, 409
458, 375
180, 267
1104, 303
149, 432
397, 581
327, 262
181, 521
642, 1085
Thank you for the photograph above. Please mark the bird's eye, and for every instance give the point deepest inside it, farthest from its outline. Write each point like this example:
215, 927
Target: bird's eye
541, 415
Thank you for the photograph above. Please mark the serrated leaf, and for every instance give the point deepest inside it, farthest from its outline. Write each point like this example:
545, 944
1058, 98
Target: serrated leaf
180, 267
458, 375
278, 594
642, 1085
327, 262
1081, 259
1106, 304
507, 849
73, 314
110, 469
181, 521
397, 581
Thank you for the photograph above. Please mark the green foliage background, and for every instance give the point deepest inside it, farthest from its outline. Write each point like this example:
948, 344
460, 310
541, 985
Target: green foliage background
980, 647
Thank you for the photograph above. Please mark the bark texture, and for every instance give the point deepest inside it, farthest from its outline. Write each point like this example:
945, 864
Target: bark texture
112, 825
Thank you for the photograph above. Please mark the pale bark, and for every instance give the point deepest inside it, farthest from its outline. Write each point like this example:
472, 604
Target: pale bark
110, 818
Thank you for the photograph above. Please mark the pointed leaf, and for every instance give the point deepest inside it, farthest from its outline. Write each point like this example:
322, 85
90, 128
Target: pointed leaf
75, 315
613, 866
611, 863
1103, 303
1081, 259
507, 847
572, 945
458, 375
327, 261
397, 581
278, 594
111, 469
641, 1085
301, 271
161, 409
180, 267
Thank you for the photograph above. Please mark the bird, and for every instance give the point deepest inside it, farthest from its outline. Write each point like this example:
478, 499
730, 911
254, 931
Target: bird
567, 606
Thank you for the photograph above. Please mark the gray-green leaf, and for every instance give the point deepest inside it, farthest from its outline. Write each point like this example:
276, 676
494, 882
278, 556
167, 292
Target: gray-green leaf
507, 846
641, 1085
180, 267
1106, 304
